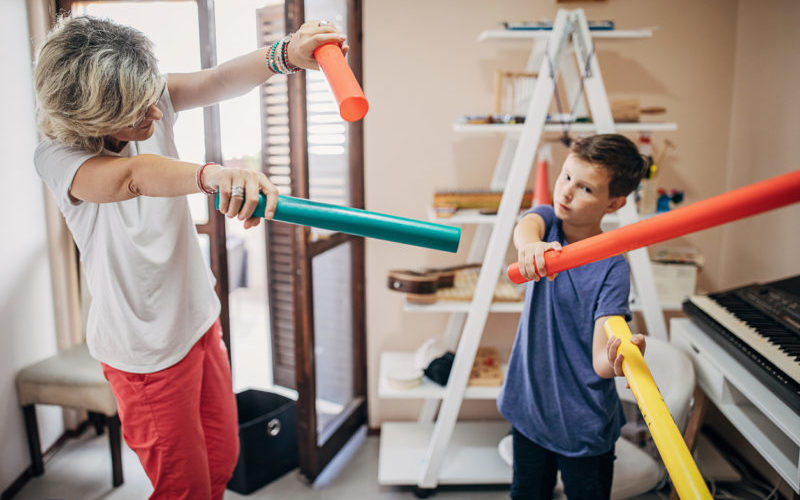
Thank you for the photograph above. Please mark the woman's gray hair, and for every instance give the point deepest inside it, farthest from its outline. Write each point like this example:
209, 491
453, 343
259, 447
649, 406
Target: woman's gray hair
93, 77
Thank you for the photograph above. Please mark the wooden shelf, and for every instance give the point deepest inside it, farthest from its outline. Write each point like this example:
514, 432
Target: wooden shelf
473, 216
452, 306
460, 306
496, 128
472, 456
391, 360
543, 34
465, 216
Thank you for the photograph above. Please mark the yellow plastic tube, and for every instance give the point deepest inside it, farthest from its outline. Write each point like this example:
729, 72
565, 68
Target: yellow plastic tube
686, 478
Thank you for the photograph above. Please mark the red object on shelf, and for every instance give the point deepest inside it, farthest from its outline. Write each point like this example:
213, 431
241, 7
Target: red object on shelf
541, 188
737, 204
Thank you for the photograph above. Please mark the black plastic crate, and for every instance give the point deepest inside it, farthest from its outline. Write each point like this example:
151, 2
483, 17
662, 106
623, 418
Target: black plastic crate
267, 439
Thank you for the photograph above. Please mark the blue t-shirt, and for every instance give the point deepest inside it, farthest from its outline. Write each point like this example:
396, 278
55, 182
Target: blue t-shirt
552, 394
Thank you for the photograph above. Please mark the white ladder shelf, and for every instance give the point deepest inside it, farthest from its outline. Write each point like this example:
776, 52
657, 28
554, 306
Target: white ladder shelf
413, 453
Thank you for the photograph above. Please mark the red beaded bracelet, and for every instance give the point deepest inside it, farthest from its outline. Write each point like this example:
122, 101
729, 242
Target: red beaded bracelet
199, 174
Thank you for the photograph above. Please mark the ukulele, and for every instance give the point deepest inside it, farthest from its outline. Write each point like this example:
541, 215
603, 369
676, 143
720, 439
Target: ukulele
426, 281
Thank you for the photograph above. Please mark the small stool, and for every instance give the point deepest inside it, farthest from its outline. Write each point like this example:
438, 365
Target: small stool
73, 379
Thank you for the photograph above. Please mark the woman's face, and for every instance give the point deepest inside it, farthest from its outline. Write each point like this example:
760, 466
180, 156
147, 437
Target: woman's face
140, 131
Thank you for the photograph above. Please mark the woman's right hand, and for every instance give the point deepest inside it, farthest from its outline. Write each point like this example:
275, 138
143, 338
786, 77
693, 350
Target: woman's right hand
307, 38
531, 259
241, 202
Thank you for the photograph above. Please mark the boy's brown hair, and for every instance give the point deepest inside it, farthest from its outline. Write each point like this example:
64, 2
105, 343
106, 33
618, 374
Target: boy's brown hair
619, 155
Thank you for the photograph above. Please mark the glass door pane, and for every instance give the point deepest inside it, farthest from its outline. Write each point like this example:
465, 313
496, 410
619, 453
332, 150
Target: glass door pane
329, 182
333, 336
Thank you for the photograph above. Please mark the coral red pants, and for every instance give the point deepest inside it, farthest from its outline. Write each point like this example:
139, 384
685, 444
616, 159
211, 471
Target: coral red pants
182, 422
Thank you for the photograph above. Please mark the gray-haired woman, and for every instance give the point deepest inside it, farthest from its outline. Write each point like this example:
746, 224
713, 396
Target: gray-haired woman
110, 160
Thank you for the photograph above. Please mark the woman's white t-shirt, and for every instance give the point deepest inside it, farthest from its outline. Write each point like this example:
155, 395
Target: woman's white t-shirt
152, 290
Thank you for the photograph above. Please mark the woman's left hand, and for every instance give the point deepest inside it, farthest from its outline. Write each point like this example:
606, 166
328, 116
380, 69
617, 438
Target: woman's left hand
239, 190
311, 35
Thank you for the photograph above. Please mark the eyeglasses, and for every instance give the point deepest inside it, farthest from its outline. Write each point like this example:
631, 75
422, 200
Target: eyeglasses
142, 118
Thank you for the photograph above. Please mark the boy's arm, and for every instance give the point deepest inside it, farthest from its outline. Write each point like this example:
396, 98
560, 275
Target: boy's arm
238, 76
606, 362
528, 235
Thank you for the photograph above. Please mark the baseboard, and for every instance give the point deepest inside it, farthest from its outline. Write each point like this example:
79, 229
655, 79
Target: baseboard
27, 474
17, 485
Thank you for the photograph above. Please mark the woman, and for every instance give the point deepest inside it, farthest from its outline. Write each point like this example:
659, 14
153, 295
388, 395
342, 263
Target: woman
109, 158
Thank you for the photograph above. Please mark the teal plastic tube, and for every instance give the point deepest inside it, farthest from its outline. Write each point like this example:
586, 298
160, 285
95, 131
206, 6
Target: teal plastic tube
361, 223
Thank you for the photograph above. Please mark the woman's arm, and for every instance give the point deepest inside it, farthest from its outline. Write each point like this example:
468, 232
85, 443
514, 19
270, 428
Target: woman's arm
106, 179
238, 76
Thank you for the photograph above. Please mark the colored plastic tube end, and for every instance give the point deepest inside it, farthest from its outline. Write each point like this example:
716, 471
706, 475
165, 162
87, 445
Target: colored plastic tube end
353, 105
514, 275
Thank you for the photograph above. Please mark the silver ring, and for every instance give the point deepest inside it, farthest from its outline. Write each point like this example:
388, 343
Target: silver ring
237, 191
324, 23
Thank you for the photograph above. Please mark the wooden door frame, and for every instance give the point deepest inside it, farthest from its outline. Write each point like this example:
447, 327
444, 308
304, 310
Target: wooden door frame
214, 228
314, 458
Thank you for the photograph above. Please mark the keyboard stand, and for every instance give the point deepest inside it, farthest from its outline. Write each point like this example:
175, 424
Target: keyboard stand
770, 426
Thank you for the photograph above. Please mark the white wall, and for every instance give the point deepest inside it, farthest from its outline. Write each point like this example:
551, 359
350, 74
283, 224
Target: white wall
765, 126
26, 306
423, 67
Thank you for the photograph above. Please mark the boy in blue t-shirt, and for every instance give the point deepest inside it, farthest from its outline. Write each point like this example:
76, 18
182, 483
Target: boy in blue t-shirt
559, 393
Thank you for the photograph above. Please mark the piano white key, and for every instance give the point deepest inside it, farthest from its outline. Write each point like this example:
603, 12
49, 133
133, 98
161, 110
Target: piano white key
783, 361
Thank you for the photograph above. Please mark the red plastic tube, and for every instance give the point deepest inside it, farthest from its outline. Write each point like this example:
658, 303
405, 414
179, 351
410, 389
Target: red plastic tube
737, 204
353, 104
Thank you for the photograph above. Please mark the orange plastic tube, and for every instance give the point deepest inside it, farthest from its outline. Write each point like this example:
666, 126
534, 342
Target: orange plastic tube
353, 104
737, 204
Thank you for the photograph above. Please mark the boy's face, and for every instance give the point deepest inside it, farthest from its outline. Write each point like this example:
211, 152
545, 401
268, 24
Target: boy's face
581, 193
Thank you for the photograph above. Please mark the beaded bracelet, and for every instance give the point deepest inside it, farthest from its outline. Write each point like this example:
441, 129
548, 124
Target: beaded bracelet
278, 57
199, 178
285, 56
271, 58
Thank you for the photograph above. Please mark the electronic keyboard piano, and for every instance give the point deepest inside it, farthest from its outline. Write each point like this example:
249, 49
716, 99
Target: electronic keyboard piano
759, 326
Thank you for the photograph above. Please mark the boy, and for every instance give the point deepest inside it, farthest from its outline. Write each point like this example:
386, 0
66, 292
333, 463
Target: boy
559, 393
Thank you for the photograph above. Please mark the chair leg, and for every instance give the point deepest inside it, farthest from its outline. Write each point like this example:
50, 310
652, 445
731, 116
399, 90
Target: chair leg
98, 421
34, 446
693, 426
115, 441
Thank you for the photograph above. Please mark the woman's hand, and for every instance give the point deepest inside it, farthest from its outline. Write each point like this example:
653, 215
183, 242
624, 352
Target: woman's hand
616, 359
311, 35
526, 255
236, 185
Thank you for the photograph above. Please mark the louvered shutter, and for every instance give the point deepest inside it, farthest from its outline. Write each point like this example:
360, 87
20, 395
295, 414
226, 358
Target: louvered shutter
275, 164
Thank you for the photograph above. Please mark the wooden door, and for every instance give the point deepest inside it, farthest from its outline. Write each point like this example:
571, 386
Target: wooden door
316, 277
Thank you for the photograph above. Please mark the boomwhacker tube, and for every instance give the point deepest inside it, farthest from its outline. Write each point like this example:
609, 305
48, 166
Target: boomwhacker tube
353, 104
674, 453
737, 204
361, 223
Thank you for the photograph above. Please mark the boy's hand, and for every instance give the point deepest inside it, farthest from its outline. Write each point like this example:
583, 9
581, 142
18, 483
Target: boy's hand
616, 359
535, 251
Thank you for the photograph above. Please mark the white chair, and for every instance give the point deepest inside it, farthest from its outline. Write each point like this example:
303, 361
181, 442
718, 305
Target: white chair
72, 379
635, 471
